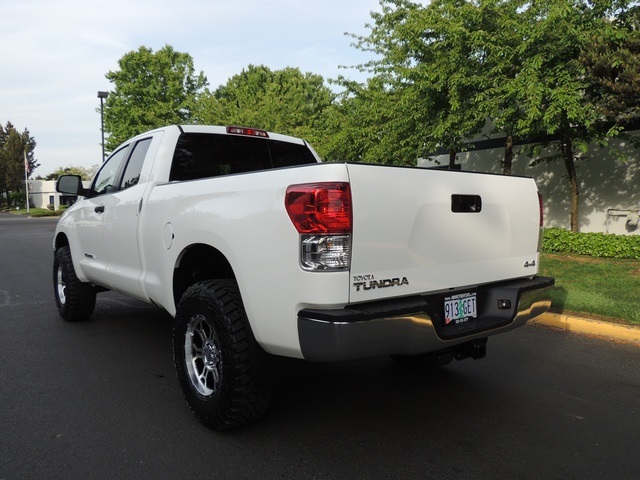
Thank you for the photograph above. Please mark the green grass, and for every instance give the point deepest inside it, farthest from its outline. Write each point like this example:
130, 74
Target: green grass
33, 212
599, 287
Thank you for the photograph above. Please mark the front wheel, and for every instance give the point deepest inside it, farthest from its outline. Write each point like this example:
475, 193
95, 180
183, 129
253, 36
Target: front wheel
75, 300
215, 356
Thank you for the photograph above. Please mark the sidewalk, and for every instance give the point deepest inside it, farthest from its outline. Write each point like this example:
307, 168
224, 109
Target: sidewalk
614, 331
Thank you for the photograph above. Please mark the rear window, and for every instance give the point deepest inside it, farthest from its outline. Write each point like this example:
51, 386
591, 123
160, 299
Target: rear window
202, 155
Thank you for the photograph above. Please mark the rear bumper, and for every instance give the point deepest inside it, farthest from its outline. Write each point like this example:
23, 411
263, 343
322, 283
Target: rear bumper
414, 325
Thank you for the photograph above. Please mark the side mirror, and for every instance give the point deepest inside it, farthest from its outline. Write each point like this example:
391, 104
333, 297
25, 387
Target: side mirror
71, 185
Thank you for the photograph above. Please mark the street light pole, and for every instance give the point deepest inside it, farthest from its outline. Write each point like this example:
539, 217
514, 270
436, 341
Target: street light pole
102, 96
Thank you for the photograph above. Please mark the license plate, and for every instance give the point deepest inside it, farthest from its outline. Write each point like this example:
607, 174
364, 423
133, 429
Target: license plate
460, 308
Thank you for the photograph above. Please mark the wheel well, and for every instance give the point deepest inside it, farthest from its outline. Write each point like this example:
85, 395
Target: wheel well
197, 263
61, 241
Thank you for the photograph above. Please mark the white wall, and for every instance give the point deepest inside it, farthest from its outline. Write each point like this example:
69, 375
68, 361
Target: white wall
605, 184
40, 192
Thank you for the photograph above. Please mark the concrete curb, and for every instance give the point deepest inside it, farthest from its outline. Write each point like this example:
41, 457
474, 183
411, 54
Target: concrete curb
585, 326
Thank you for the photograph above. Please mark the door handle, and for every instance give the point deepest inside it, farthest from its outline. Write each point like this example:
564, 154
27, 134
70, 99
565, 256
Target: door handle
99, 209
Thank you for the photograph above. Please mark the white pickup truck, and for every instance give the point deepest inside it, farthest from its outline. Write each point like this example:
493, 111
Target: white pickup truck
258, 249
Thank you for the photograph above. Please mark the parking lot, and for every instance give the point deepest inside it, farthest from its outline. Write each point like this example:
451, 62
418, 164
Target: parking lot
100, 400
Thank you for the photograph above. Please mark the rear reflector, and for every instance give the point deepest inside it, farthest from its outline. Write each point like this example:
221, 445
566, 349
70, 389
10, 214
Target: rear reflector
541, 227
541, 204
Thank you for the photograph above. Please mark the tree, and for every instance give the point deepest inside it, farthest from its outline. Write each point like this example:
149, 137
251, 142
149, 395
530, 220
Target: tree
14, 146
551, 84
86, 173
612, 64
284, 101
432, 59
370, 123
504, 34
150, 90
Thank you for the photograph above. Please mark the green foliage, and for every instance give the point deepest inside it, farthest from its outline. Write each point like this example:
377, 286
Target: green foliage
13, 146
592, 244
40, 212
151, 90
551, 79
284, 101
428, 77
16, 198
368, 125
612, 66
86, 173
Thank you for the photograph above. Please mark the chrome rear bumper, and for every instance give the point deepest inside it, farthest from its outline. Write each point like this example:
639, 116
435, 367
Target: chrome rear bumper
414, 325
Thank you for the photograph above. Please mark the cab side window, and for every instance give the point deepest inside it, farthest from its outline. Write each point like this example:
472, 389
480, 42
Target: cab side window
199, 155
134, 166
105, 181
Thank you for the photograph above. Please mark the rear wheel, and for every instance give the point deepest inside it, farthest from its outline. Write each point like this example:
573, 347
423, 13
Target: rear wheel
215, 356
75, 300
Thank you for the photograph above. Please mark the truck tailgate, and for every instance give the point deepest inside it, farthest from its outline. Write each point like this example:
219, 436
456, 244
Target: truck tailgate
420, 230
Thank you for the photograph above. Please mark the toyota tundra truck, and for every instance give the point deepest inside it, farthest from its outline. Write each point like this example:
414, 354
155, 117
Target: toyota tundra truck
259, 250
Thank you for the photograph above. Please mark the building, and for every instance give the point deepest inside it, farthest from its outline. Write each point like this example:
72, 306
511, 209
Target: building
42, 194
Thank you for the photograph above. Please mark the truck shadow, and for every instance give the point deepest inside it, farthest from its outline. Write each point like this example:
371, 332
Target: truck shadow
558, 296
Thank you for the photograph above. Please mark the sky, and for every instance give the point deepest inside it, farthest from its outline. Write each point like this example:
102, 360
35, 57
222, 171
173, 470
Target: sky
54, 55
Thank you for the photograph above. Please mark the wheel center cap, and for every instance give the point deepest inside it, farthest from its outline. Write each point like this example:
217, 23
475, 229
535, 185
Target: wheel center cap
210, 355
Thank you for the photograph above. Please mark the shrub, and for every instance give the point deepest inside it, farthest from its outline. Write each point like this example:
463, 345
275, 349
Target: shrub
43, 213
592, 244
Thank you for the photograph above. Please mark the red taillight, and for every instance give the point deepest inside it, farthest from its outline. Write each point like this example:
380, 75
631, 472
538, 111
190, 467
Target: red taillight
320, 207
541, 209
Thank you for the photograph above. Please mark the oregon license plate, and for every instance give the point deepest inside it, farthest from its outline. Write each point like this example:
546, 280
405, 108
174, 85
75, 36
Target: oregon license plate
460, 308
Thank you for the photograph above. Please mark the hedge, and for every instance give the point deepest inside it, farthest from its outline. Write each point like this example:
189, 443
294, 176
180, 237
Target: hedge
592, 244
40, 212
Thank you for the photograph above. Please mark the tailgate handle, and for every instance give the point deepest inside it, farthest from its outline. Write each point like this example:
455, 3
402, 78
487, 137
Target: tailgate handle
466, 203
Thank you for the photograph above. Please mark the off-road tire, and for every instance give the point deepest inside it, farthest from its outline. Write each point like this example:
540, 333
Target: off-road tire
75, 300
216, 356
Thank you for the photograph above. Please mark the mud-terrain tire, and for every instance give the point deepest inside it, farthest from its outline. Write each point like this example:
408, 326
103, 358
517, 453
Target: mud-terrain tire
216, 356
75, 300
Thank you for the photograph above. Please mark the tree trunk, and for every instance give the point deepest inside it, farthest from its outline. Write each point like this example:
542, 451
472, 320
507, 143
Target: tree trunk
452, 158
569, 163
508, 155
